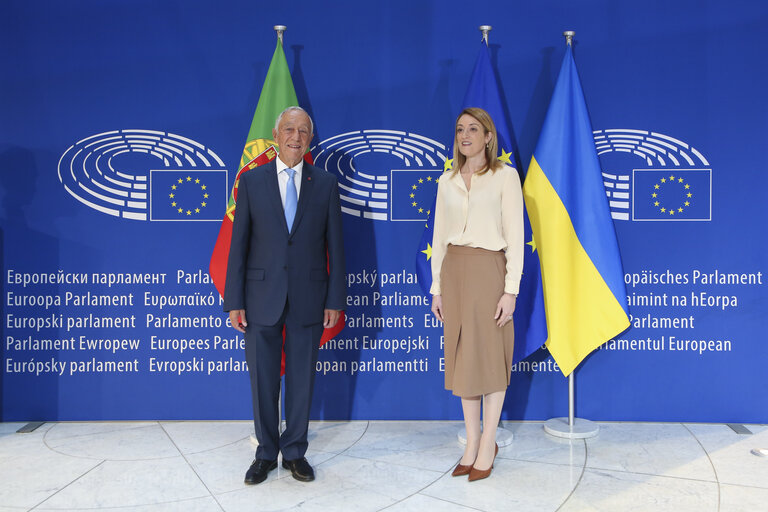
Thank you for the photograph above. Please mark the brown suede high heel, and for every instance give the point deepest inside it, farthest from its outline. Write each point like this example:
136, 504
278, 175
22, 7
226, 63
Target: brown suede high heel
461, 470
477, 474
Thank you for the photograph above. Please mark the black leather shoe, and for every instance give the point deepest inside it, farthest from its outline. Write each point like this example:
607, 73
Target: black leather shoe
258, 471
300, 469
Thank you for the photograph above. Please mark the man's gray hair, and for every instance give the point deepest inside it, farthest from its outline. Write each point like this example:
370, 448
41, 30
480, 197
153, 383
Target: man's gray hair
295, 109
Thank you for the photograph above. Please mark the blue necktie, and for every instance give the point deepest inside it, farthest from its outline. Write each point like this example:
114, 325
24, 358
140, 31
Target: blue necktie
291, 199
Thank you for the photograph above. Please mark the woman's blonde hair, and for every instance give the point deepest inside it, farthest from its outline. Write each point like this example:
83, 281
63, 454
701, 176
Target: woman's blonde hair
491, 149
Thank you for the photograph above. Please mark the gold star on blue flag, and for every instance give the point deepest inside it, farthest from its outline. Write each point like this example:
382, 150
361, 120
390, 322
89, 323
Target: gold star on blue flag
188, 195
413, 193
688, 193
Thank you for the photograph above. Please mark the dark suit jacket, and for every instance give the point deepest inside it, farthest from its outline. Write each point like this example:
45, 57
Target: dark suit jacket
267, 264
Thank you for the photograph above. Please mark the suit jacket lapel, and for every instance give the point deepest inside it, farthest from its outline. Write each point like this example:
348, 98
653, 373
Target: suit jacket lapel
304, 195
273, 191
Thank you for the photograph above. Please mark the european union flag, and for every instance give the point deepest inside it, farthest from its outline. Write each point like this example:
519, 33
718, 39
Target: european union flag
413, 193
188, 195
530, 322
672, 194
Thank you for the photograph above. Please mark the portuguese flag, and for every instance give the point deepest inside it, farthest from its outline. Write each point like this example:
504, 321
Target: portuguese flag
277, 94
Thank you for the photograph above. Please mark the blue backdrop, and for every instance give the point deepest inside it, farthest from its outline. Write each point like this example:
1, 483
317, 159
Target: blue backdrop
108, 312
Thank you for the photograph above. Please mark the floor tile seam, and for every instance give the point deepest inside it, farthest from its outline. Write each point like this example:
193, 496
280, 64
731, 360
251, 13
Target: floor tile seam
435, 498
581, 476
394, 501
337, 422
358, 457
287, 474
11, 437
427, 486
369, 490
218, 447
84, 457
362, 434
36, 507
711, 464
641, 473
248, 488
45, 434
333, 456
182, 500
415, 453
58, 449
191, 467
528, 461
456, 503
459, 423
747, 486
205, 422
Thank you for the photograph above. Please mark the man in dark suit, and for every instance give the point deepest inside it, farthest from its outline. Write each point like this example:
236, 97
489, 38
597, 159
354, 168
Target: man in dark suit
285, 271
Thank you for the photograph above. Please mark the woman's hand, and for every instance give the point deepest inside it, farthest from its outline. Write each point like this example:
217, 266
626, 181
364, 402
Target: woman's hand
437, 306
504, 309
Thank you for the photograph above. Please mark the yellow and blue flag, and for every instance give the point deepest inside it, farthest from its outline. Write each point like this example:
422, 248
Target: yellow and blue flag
584, 294
530, 324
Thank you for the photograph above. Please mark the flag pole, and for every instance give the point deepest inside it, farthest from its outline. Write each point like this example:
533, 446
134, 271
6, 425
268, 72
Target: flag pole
571, 427
485, 29
504, 437
279, 29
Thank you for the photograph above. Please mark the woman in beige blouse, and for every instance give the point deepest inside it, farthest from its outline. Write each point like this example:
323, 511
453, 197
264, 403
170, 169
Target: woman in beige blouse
477, 261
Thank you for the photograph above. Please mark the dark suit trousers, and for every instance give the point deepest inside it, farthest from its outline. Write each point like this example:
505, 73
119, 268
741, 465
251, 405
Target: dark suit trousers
263, 353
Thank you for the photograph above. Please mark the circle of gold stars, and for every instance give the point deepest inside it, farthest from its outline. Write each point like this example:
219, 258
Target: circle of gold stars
415, 187
183, 182
666, 183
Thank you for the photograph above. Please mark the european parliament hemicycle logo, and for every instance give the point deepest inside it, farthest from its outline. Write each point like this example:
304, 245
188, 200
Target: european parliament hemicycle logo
671, 182
146, 175
392, 175
384, 174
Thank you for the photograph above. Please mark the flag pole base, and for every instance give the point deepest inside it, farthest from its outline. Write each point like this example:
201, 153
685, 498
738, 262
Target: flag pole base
581, 429
504, 437
760, 452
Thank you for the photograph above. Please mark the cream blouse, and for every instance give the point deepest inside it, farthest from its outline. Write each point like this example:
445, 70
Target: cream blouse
489, 216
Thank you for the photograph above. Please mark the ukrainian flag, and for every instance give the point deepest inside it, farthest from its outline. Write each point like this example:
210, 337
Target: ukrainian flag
584, 294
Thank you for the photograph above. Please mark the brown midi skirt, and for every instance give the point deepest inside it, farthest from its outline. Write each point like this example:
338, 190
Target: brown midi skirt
478, 353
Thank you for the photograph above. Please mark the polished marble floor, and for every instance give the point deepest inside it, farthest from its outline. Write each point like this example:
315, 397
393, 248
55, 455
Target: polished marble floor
378, 465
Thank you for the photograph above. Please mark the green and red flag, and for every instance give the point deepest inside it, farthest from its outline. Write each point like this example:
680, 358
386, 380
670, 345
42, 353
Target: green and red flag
277, 94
